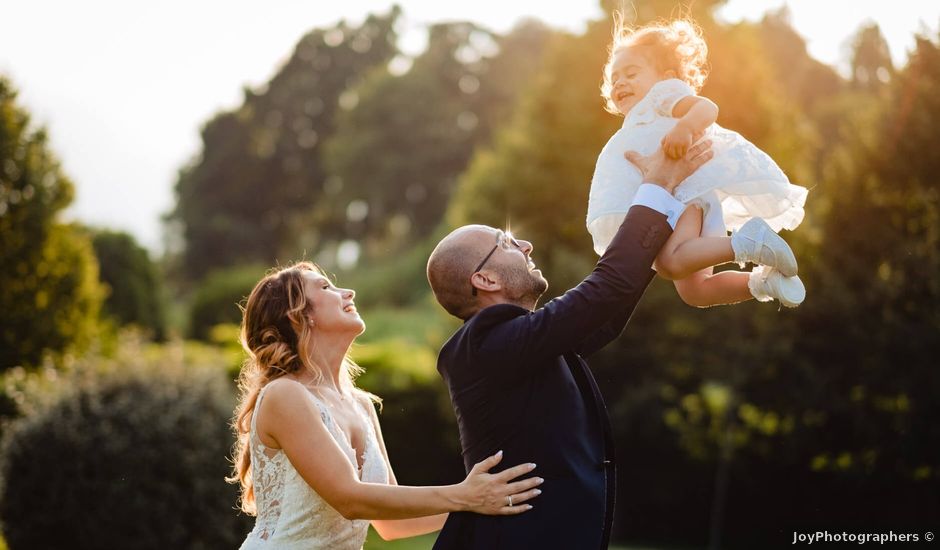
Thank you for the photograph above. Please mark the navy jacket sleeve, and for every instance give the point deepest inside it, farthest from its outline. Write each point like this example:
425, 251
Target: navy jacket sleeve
607, 333
612, 290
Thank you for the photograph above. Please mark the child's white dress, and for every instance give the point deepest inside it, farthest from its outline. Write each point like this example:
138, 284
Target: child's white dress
739, 183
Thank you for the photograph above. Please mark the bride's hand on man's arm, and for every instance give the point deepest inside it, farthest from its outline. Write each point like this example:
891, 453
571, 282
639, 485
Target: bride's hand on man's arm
480, 492
497, 494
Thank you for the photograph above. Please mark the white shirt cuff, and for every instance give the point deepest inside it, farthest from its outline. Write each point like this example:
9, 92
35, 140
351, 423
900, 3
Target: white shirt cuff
653, 196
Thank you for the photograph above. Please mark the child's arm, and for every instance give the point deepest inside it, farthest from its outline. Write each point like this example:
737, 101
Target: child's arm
695, 113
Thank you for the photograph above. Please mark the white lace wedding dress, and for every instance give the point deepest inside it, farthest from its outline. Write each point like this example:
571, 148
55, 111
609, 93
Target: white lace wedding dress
291, 515
739, 183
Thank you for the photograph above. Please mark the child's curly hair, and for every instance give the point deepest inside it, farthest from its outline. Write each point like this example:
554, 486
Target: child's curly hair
675, 45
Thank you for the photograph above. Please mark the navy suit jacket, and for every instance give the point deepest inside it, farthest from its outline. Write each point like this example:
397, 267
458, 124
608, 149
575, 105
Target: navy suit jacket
518, 383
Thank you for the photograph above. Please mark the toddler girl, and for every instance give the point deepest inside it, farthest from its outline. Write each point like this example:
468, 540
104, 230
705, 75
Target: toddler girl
651, 79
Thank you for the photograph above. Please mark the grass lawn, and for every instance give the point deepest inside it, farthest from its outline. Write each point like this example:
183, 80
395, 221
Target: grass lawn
374, 542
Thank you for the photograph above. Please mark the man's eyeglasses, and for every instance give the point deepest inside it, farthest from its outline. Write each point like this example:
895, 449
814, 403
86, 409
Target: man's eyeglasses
504, 239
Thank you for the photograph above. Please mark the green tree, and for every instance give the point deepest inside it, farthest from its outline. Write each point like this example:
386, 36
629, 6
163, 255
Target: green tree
49, 291
254, 191
133, 281
398, 153
882, 243
535, 175
871, 61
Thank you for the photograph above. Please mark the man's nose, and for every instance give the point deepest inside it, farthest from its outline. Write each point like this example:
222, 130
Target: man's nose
349, 294
525, 246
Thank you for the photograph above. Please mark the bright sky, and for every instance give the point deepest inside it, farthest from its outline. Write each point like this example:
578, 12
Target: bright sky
124, 87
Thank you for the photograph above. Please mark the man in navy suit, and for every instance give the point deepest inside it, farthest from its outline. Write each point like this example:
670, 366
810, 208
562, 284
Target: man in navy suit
516, 375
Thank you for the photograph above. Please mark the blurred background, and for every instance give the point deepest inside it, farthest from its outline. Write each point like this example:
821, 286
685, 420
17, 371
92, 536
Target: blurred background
155, 161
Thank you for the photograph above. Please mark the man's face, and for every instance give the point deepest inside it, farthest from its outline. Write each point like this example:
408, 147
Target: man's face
521, 280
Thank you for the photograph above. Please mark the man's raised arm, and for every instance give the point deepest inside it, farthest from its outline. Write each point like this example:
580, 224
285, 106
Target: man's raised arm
613, 290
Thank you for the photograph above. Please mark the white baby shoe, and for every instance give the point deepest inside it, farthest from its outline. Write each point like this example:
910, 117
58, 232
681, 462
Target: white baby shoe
757, 243
767, 283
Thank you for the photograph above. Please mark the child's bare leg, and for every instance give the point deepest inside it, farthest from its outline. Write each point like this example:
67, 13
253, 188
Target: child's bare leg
705, 288
687, 252
688, 259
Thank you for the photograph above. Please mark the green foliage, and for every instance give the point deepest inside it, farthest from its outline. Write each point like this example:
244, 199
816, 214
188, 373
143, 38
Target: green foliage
401, 148
134, 283
51, 299
536, 175
395, 281
123, 453
871, 61
256, 190
216, 300
422, 323
224, 339
395, 364
49, 290
882, 243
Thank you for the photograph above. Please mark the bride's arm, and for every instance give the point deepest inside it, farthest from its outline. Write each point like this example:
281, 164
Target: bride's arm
391, 529
290, 418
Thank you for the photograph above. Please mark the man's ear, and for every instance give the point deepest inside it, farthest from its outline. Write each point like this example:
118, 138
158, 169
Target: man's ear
486, 280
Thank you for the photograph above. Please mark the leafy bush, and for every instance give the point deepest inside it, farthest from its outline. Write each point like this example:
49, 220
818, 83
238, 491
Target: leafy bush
128, 456
134, 283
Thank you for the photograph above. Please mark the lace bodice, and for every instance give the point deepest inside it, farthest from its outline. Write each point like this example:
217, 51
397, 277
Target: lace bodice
291, 515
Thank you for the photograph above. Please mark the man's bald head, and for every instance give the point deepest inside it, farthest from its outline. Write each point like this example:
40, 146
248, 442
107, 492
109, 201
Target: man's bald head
451, 264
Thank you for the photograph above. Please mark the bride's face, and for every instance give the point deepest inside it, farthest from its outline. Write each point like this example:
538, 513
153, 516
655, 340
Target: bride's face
333, 308
632, 74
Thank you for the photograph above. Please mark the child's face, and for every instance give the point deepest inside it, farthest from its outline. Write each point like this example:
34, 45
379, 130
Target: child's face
632, 75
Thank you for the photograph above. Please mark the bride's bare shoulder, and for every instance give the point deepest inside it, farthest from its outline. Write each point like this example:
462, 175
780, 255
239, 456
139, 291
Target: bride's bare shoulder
282, 386
286, 396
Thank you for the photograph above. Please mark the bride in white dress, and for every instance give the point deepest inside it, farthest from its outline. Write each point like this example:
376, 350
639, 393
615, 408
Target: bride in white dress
310, 455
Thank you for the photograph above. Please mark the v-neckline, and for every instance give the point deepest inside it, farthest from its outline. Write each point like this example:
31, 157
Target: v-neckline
346, 439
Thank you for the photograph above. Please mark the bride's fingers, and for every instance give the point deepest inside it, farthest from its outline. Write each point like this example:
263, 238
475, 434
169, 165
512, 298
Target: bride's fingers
515, 508
514, 472
524, 485
487, 463
519, 498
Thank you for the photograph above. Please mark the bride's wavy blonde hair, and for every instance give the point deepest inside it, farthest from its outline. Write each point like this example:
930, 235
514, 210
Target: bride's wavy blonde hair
675, 45
277, 338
